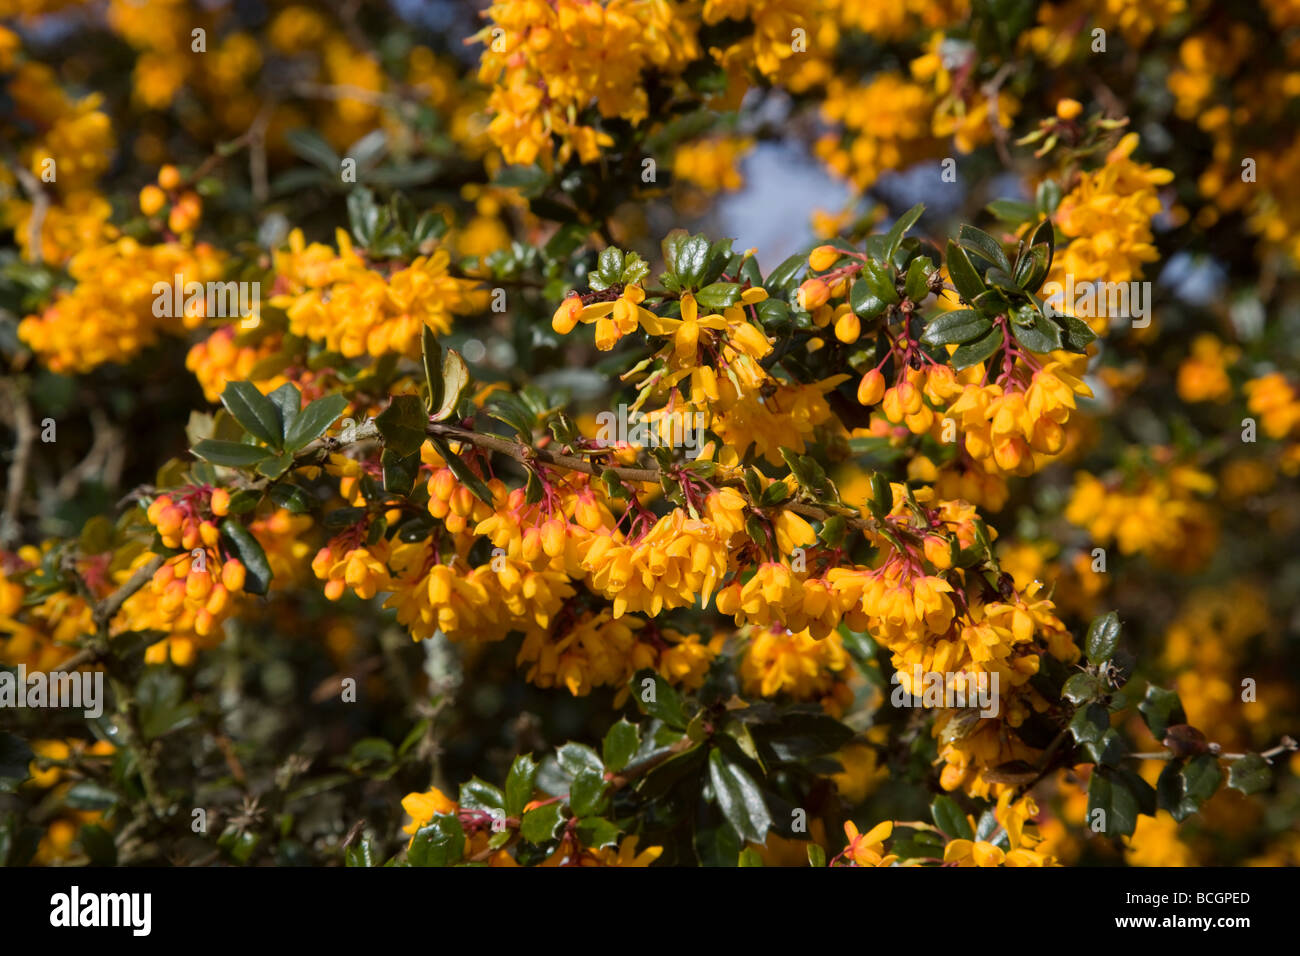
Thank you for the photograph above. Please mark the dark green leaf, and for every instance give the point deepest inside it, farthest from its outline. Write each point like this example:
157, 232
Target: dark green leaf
575, 758
1250, 774
313, 420
255, 412
1103, 638
464, 474
972, 353
441, 842
880, 281
621, 743
476, 794
519, 784
965, 279
240, 541
983, 245
587, 794
956, 328
896, 232
1081, 688
739, 798
949, 818
402, 424
1161, 709
540, 825
230, 454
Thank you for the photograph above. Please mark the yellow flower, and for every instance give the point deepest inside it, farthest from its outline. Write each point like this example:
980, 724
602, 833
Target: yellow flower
868, 849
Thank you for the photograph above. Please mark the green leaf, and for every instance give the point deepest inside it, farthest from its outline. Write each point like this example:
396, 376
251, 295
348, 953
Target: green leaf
965, 279
159, 695
816, 855
739, 798
782, 277
513, 412
455, 379
1108, 750
1048, 196
864, 302
956, 328
476, 794
246, 548
949, 818
360, 854
530, 180
230, 454
1250, 774
575, 758
255, 412
972, 353
313, 421
288, 402
1116, 800
89, 795
402, 424
541, 824
686, 258
1090, 723
311, 146
464, 474
1081, 688
15, 758
719, 295
587, 794
519, 784
275, 465
431, 358
620, 745
1012, 211
1201, 778
896, 232
1042, 336
985, 246
1169, 790
1077, 334
399, 471
1031, 270
1045, 236
992, 303
802, 735
598, 832
917, 284
441, 842
1103, 638
880, 281
1161, 709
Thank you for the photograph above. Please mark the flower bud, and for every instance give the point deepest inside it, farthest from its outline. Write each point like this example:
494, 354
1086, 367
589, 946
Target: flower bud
823, 257
813, 293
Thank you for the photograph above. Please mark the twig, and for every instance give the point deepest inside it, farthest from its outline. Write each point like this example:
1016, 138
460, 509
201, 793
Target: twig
10, 530
40, 206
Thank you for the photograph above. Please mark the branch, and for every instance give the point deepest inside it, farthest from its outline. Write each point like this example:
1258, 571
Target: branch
25, 431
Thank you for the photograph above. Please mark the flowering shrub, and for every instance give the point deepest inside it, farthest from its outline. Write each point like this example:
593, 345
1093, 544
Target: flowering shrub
396, 438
